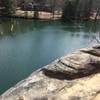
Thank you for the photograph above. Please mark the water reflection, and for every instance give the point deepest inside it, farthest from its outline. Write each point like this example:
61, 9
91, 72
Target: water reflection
12, 27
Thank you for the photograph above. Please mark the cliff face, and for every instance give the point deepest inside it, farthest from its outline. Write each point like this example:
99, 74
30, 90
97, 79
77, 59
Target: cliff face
73, 77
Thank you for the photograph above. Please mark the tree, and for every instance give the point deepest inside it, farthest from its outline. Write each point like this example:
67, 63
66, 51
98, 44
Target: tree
88, 9
9, 7
22, 4
68, 11
36, 12
97, 13
37, 5
76, 9
80, 9
36, 9
52, 5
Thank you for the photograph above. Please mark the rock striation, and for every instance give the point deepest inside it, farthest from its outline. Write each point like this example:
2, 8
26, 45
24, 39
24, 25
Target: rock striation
75, 76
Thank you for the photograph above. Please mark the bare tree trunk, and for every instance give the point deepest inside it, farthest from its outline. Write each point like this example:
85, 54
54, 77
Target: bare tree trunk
36, 12
98, 11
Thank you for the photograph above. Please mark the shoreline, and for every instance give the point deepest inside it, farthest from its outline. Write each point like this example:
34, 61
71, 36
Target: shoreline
42, 16
62, 79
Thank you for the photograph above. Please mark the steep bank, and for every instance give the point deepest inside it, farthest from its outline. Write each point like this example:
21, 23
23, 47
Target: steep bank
73, 77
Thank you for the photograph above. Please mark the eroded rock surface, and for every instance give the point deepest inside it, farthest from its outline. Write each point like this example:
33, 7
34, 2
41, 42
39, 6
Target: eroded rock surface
73, 77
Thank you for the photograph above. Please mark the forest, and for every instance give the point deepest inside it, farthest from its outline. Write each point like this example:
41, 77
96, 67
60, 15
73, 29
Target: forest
68, 9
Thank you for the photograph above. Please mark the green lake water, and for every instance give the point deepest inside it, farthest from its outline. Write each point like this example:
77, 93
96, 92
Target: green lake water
26, 45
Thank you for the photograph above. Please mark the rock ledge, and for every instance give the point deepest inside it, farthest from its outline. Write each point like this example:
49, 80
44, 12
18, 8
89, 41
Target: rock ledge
75, 76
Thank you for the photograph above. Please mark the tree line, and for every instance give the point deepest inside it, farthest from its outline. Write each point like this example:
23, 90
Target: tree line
71, 9
81, 9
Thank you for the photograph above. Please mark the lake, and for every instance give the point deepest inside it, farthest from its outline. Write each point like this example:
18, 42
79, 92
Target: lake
26, 45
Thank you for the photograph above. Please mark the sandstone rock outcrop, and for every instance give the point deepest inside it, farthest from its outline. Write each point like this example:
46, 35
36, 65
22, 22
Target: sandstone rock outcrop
75, 76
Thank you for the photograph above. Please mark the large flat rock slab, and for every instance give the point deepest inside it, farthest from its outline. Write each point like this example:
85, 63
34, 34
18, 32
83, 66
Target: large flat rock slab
75, 65
75, 76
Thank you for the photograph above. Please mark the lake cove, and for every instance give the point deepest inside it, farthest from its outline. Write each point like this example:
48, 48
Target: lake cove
27, 45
